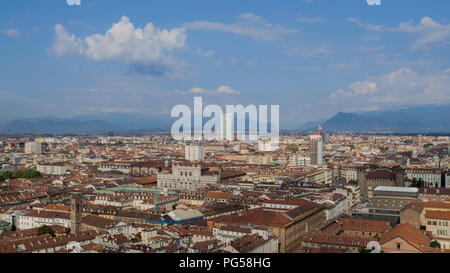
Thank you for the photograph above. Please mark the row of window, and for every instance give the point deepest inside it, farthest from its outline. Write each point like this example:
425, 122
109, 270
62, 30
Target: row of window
441, 232
437, 223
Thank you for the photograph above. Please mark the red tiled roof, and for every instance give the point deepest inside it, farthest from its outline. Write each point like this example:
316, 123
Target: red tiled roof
437, 214
145, 180
364, 225
410, 234
218, 195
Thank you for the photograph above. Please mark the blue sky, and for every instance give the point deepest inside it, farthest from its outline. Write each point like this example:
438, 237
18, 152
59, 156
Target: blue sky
312, 57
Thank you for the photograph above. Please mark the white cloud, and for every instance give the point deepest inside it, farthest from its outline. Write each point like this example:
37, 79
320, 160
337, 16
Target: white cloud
10, 32
66, 44
249, 25
205, 53
344, 67
356, 89
226, 90
145, 50
310, 19
219, 91
401, 87
251, 17
369, 49
431, 33
370, 27
251, 63
310, 52
233, 60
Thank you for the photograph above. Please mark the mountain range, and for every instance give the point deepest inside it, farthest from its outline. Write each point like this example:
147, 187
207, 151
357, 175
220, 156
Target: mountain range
88, 124
417, 119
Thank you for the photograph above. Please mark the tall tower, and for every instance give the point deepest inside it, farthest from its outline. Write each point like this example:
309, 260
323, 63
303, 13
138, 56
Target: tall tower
316, 147
75, 217
420, 141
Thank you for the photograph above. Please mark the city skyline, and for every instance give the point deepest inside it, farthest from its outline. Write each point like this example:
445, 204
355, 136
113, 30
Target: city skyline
313, 58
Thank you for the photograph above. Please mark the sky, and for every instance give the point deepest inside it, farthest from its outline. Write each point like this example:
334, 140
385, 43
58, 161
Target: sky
314, 58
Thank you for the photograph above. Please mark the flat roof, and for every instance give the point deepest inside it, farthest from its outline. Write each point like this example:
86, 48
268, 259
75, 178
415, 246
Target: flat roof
397, 189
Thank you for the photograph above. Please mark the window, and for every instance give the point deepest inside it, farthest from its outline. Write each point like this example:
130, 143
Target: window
398, 245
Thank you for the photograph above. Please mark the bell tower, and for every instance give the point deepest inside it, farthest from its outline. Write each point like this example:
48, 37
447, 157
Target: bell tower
75, 217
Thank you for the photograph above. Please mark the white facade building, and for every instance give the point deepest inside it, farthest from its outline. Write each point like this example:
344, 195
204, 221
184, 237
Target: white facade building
36, 218
121, 167
316, 149
194, 152
431, 176
33, 148
267, 145
186, 178
52, 169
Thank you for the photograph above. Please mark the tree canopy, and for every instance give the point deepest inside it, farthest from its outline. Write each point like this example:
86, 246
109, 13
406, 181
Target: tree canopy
435, 244
46, 230
417, 183
292, 148
352, 182
28, 174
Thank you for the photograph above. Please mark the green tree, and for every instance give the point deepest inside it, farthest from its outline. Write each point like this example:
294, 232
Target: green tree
377, 237
46, 230
435, 244
352, 182
292, 148
5, 175
417, 183
28, 174
364, 250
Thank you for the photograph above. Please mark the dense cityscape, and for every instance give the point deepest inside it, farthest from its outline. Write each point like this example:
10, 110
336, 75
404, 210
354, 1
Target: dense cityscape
319, 193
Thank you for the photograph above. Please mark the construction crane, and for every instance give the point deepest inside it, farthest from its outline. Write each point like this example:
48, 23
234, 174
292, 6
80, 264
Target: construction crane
155, 191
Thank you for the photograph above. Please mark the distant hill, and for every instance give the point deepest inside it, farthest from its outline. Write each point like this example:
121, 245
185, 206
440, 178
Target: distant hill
312, 125
96, 124
51, 126
87, 125
418, 119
